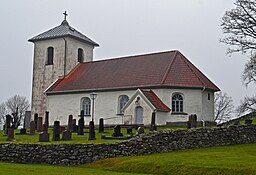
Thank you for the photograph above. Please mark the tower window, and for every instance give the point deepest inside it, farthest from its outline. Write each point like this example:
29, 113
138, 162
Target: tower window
50, 52
209, 96
80, 55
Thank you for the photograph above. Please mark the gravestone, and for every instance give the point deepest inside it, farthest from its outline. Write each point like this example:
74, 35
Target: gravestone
66, 135
74, 126
45, 128
101, 125
62, 128
32, 128
35, 119
140, 130
153, 122
46, 120
56, 131
8, 119
194, 121
23, 131
117, 131
39, 124
45, 136
27, 119
91, 131
10, 134
81, 124
129, 130
70, 120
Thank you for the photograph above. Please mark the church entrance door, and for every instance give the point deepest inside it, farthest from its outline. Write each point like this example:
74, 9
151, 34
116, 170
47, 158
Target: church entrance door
138, 115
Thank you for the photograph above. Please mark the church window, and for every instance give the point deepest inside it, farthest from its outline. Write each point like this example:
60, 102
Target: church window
86, 105
209, 96
122, 100
177, 103
80, 55
50, 53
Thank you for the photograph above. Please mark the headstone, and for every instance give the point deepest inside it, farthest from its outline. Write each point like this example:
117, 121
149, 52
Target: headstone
10, 134
46, 120
23, 131
27, 119
153, 122
7, 123
129, 130
91, 131
101, 125
194, 121
66, 135
81, 124
140, 130
117, 131
44, 137
32, 128
56, 131
74, 126
39, 124
45, 128
35, 119
70, 120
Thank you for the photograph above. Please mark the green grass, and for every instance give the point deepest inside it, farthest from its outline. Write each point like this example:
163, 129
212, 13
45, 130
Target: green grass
76, 139
224, 160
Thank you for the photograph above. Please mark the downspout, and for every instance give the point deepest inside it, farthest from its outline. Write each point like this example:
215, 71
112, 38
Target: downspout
202, 106
65, 57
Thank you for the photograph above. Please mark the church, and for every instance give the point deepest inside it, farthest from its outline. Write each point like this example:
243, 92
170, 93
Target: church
125, 90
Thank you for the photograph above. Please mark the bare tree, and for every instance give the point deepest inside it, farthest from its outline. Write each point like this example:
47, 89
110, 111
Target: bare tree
3, 112
16, 105
239, 27
223, 107
249, 74
248, 104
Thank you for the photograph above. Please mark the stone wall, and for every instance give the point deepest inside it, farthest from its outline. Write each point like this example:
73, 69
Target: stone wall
158, 141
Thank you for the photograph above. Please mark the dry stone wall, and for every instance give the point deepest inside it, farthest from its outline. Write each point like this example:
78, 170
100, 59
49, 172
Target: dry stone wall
154, 142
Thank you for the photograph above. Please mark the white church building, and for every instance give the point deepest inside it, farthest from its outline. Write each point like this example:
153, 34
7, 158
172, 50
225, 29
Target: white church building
126, 90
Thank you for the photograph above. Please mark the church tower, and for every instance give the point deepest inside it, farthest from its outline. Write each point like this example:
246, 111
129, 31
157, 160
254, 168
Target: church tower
56, 52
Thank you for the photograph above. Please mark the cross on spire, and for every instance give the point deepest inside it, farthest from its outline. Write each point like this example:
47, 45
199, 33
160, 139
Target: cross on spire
65, 15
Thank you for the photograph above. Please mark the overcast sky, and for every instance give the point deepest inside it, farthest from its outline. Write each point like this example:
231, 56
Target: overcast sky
121, 27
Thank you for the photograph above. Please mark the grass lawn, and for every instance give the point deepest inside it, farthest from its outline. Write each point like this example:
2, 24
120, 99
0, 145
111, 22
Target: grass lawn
224, 160
76, 139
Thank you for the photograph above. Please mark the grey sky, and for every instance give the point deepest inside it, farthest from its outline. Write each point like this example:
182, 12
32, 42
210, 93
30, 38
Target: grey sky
121, 27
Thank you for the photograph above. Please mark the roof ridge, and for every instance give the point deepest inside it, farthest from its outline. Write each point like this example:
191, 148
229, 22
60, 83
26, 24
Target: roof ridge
187, 61
131, 56
169, 68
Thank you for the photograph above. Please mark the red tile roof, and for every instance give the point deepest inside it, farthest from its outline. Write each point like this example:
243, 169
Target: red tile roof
164, 69
155, 101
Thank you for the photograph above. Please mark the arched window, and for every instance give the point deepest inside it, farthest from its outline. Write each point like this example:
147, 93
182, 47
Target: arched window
177, 103
80, 55
122, 100
86, 105
50, 53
